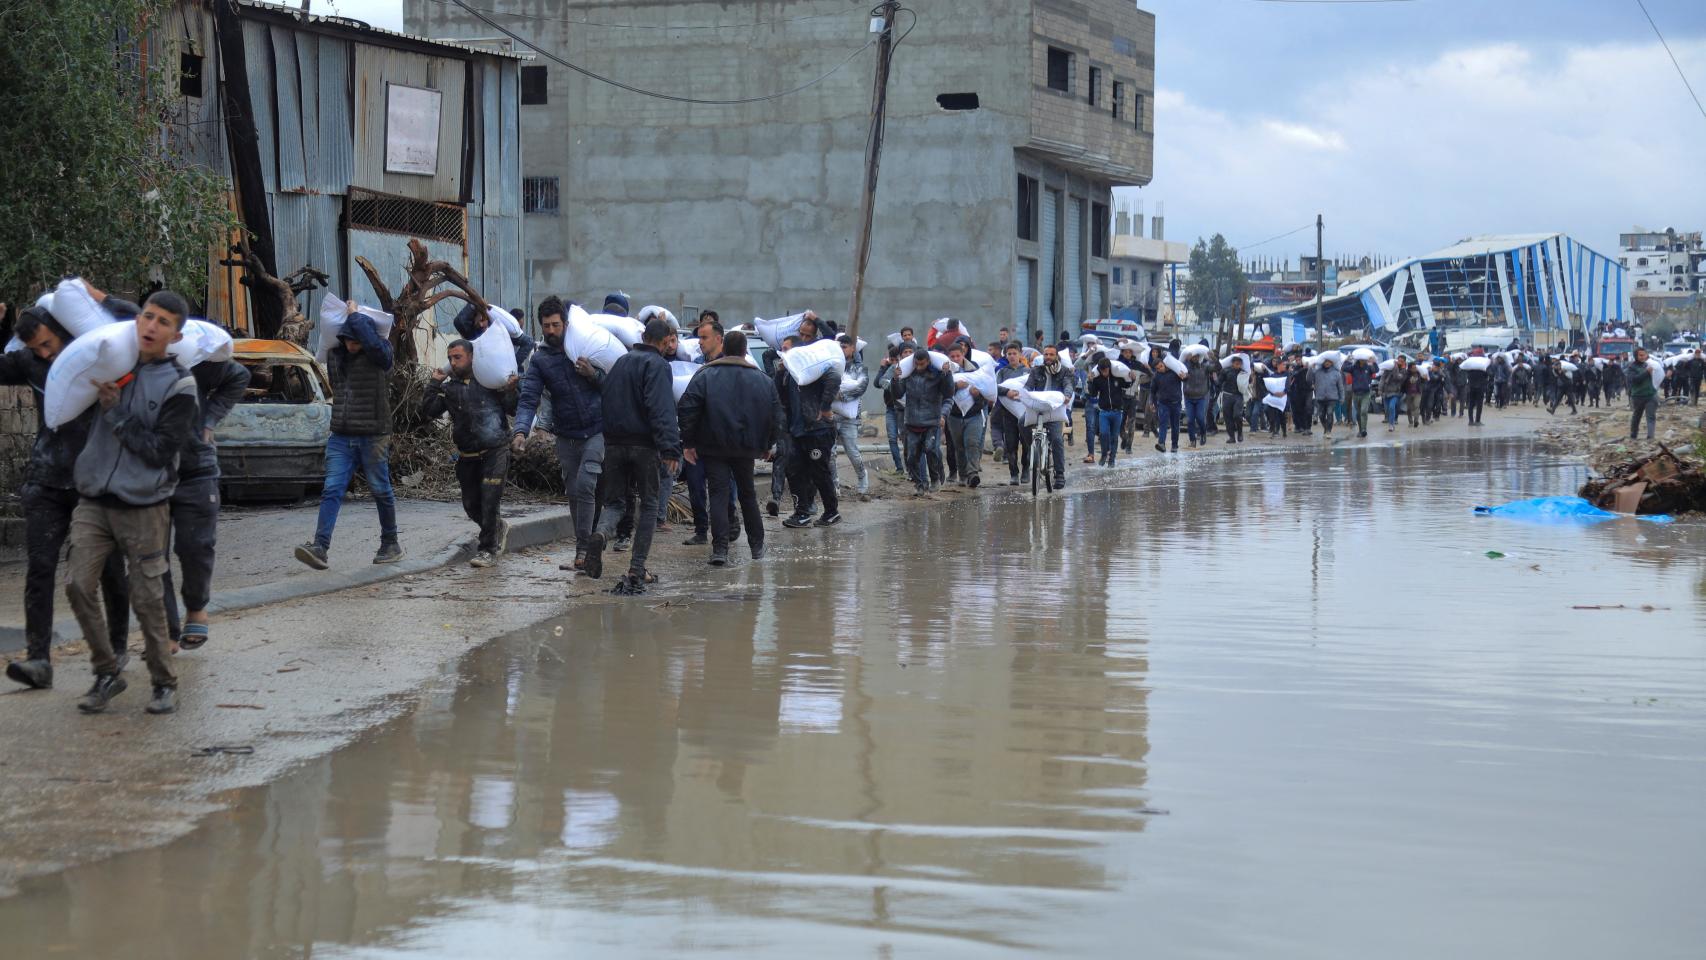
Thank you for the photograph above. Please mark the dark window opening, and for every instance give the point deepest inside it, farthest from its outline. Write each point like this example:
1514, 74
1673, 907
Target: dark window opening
533, 86
1059, 69
1137, 111
1119, 100
957, 101
1027, 207
1095, 96
539, 195
1099, 230
189, 74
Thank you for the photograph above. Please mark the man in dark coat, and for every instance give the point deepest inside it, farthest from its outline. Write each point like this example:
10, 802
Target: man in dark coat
730, 416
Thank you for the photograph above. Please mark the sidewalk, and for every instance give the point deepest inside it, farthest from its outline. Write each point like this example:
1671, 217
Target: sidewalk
256, 564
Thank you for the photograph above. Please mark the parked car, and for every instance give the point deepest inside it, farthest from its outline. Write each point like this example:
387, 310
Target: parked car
273, 444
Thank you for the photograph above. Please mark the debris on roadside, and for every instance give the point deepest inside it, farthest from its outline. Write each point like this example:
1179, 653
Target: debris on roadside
1661, 482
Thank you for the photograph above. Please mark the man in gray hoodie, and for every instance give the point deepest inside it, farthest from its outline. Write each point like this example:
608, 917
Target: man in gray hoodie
1327, 384
126, 476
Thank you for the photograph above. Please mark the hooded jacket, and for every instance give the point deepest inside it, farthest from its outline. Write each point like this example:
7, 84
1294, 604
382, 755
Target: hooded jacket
465, 328
923, 394
1327, 383
731, 409
576, 411
805, 406
854, 380
361, 391
1392, 382
479, 416
638, 401
1362, 376
1167, 388
131, 457
1196, 379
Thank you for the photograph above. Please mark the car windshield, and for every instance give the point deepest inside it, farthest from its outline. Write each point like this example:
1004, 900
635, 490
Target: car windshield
274, 382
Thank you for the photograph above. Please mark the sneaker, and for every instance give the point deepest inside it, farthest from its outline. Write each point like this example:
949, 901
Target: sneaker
593, 563
697, 540
830, 519
974, 481
734, 531
622, 544
313, 555
106, 687
864, 484
1160, 448
719, 559
482, 559
1013, 480
165, 701
797, 521
35, 674
1231, 439
1025, 479
390, 551
630, 585
773, 508
503, 537
664, 527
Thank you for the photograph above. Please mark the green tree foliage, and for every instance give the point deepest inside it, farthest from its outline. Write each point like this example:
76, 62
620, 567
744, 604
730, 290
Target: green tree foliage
89, 184
1217, 285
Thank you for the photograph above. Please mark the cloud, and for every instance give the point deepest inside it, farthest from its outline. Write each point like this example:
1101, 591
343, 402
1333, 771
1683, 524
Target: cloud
1402, 159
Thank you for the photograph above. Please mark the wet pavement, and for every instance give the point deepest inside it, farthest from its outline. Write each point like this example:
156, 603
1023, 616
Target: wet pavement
1257, 707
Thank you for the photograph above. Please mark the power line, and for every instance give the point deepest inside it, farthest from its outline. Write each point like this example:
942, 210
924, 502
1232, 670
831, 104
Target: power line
488, 21
1672, 56
1272, 239
1333, 2
650, 26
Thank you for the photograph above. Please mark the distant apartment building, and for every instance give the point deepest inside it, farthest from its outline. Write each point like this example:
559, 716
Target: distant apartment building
1140, 277
1663, 262
1009, 123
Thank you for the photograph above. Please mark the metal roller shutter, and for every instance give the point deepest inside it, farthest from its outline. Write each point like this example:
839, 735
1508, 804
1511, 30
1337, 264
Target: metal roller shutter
1074, 273
1022, 296
1050, 239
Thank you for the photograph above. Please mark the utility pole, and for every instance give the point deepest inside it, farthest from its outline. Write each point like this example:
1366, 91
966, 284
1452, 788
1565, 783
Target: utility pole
1320, 283
873, 159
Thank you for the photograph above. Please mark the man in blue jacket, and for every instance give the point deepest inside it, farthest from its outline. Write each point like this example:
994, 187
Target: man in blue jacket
577, 419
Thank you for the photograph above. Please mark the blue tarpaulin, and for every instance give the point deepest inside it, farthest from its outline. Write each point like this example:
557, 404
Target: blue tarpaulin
1558, 510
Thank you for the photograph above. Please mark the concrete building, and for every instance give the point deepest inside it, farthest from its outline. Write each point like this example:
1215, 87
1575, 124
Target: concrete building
1009, 123
1140, 271
1663, 262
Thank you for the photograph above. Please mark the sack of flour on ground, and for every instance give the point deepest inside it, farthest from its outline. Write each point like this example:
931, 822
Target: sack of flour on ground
201, 342
626, 330
773, 332
808, 363
681, 374
904, 368
494, 357
102, 355
585, 339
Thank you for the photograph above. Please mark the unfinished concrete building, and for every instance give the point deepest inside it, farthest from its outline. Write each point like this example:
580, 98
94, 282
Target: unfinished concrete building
1009, 123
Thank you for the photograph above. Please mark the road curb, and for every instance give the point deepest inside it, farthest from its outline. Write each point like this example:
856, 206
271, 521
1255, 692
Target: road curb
541, 528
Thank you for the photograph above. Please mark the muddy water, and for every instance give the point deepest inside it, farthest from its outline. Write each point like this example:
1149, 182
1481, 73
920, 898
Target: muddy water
1279, 707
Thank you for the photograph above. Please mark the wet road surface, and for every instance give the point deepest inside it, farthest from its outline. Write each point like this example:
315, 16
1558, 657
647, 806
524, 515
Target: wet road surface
1268, 707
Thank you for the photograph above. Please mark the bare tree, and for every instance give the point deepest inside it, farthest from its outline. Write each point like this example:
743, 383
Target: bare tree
419, 295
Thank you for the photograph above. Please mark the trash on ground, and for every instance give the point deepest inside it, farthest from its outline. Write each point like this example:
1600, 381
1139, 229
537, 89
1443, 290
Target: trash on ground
1557, 510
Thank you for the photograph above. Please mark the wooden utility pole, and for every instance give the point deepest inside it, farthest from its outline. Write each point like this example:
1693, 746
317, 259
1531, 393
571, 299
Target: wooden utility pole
873, 160
1320, 283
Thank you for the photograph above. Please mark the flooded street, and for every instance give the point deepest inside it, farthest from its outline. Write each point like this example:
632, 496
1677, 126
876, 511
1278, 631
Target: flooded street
1280, 706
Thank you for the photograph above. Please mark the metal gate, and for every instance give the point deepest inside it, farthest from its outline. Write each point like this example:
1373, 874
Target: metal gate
1074, 264
1022, 297
1096, 282
1050, 241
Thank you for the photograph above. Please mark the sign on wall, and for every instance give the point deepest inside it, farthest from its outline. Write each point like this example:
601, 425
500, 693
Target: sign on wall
411, 129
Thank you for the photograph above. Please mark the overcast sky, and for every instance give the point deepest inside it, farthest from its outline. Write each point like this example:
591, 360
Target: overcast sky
1411, 125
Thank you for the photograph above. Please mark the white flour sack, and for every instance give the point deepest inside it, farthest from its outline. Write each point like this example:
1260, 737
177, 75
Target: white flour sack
1014, 407
681, 374
904, 367
202, 341
983, 378
75, 310
334, 313
809, 363
626, 330
773, 332
494, 358
500, 317
1175, 364
588, 340
1476, 363
101, 356
1363, 353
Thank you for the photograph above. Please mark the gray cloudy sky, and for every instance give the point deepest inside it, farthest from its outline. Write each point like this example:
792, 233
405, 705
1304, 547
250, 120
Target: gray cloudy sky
1412, 124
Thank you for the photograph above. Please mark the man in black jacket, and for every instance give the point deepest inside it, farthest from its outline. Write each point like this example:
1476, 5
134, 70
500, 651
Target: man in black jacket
811, 431
479, 426
195, 504
48, 497
577, 419
640, 433
923, 390
731, 416
359, 365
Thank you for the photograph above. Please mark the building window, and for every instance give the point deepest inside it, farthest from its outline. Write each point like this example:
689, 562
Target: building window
189, 74
1119, 276
533, 86
539, 195
1059, 70
1137, 111
957, 101
1640, 284
1099, 230
1095, 86
1119, 100
1641, 262
1027, 207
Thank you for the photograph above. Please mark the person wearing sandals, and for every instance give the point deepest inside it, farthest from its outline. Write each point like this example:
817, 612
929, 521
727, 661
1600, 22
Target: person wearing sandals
195, 504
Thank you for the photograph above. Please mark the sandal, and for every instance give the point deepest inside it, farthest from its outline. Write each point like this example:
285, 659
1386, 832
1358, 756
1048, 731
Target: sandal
194, 635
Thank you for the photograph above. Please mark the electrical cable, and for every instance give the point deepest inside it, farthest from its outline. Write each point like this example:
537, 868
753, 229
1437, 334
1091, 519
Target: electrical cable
651, 26
554, 58
1269, 240
1664, 43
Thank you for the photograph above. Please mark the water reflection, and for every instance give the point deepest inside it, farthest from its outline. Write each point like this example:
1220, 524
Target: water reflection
937, 739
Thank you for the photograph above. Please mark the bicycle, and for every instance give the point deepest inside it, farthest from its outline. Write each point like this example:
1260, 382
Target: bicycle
1042, 458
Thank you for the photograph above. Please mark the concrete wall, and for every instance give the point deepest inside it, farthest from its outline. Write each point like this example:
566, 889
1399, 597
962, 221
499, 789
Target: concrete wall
17, 432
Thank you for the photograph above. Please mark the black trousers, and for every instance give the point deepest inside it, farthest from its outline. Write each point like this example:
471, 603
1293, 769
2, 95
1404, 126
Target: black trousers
47, 521
1477, 400
481, 477
195, 532
630, 467
721, 475
808, 471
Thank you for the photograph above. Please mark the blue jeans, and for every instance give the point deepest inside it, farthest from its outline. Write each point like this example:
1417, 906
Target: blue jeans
1091, 409
1196, 418
344, 454
1169, 415
1108, 426
1393, 403
895, 421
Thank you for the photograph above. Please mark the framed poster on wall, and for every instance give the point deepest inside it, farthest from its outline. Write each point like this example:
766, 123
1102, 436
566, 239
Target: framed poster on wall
411, 129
